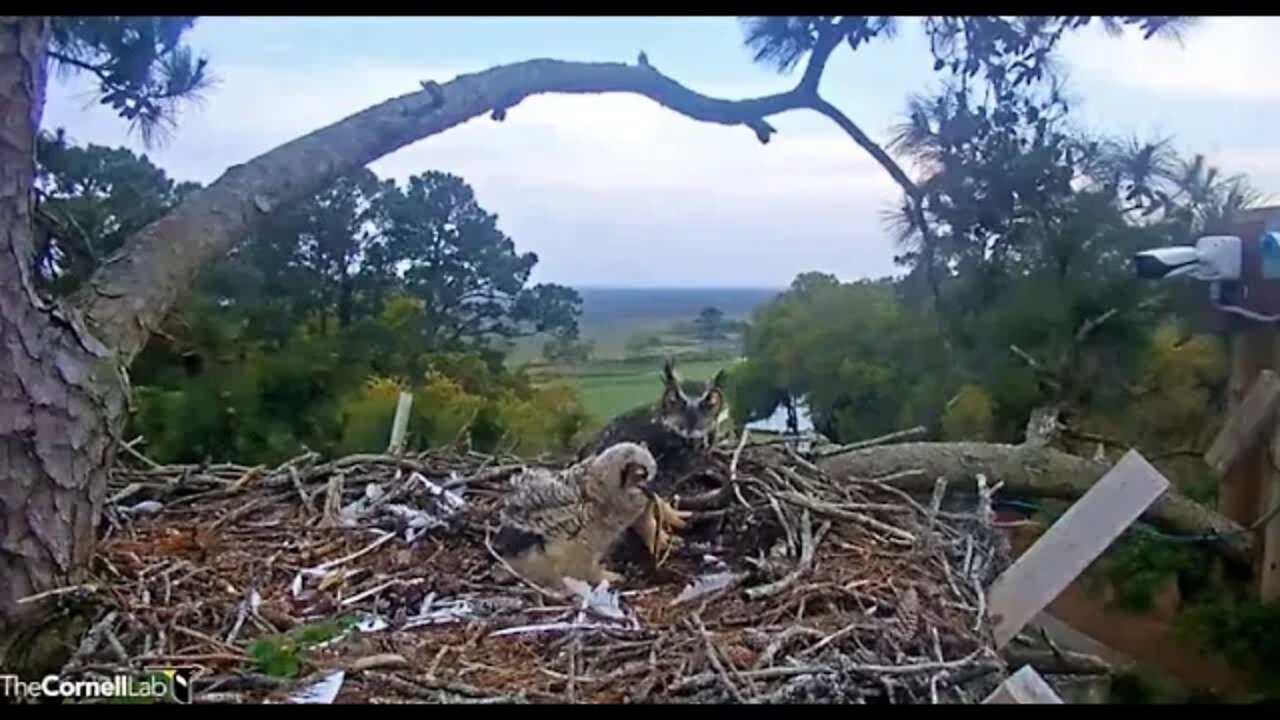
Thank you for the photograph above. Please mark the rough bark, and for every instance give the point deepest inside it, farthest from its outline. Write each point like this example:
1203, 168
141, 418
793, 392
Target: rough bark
1033, 470
60, 400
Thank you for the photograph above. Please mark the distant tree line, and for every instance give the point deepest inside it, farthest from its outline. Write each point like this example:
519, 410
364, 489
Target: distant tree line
298, 337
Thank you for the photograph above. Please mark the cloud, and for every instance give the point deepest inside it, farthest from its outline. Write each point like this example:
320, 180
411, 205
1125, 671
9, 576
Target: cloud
616, 189
605, 188
1220, 57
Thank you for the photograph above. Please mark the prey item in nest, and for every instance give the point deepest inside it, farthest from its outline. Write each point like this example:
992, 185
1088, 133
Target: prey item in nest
558, 525
654, 524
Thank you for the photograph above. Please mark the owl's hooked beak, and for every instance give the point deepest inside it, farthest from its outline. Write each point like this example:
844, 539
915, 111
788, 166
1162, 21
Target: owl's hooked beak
641, 477
648, 489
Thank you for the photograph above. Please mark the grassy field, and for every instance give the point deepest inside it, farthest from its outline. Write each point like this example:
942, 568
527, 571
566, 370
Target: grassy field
608, 391
610, 336
611, 316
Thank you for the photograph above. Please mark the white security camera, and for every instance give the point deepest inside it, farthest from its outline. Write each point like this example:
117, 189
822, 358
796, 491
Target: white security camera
1214, 257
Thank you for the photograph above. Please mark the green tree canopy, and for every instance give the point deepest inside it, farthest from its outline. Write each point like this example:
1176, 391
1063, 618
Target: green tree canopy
854, 351
143, 70
1017, 236
710, 323
88, 201
449, 252
272, 349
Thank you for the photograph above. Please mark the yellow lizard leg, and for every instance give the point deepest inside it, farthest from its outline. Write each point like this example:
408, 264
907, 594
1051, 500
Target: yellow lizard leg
653, 525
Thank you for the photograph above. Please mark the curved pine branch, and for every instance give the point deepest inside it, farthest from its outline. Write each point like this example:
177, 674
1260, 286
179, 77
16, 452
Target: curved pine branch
130, 293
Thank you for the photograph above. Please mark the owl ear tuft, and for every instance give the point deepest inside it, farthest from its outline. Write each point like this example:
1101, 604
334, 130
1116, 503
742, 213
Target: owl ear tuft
669, 378
717, 382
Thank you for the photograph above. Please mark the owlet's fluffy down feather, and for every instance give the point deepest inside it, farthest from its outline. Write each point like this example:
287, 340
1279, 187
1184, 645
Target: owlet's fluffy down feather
562, 524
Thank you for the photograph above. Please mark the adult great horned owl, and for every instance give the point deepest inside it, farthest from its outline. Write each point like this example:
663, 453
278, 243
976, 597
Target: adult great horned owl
561, 524
679, 429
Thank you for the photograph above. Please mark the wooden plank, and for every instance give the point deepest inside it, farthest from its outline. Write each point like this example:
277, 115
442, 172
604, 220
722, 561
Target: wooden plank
1024, 687
1247, 425
1269, 563
1253, 349
400, 425
1072, 543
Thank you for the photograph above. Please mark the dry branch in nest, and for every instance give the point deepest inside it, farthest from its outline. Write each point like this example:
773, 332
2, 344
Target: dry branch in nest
1037, 471
372, 574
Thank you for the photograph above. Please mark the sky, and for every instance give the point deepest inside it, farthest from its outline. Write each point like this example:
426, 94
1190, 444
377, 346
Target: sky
614, 190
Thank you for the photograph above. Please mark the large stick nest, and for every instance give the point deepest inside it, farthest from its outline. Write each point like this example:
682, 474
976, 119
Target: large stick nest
788, 586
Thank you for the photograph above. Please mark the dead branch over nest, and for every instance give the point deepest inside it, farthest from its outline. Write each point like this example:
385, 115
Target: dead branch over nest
374, 574
1031, 470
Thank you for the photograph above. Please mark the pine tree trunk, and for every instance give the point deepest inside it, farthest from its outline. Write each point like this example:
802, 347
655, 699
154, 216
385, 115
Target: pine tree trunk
58, 401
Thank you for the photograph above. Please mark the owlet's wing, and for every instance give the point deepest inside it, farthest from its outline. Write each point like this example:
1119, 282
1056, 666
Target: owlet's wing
544, 503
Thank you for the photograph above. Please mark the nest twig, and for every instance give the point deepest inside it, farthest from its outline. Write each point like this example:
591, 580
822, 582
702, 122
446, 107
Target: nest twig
239, 574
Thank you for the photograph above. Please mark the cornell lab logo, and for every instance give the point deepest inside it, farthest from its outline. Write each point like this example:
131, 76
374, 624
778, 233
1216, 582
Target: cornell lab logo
159, 685
179, 683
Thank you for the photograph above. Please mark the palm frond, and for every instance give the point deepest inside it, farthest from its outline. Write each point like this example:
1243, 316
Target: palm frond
779, 41
1173, 27
143, 71
1112, 26
901, 224
888, 26
917, 135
